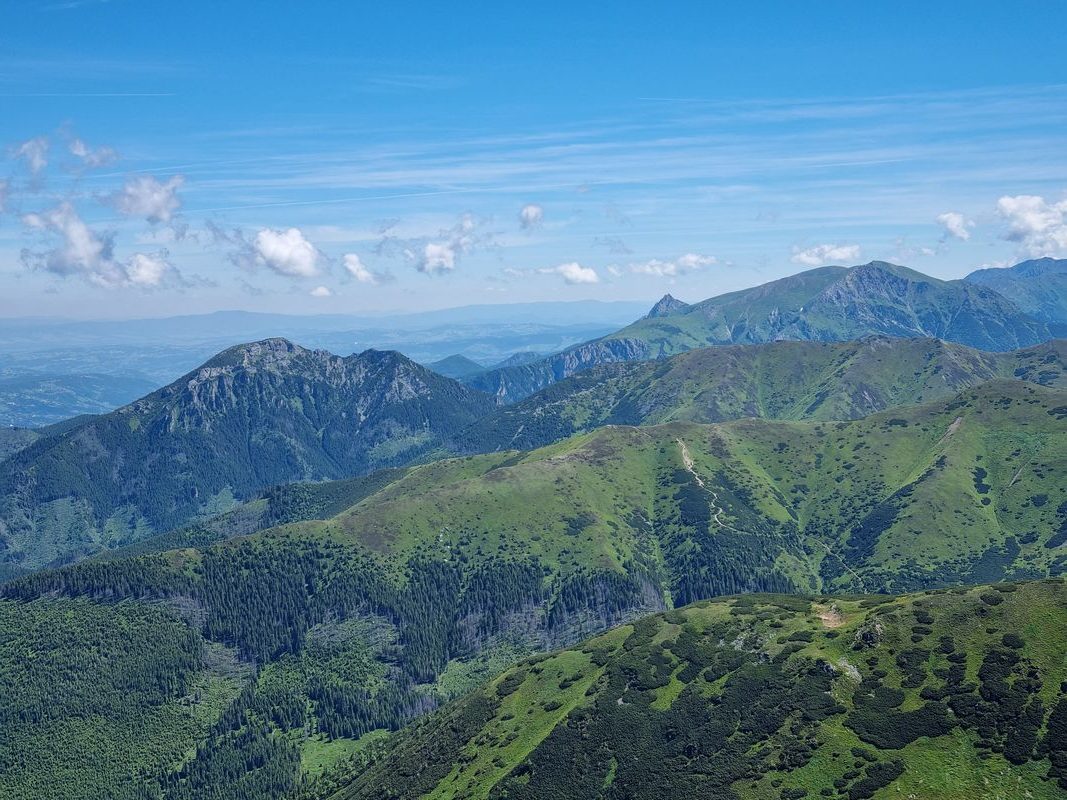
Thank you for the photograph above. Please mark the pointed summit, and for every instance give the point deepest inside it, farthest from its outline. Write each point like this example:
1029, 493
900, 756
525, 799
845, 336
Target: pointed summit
666, 306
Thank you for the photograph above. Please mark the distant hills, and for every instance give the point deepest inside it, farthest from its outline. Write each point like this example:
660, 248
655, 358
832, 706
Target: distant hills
253, 416
369, 603
824, 304
1037, 287
283, 566
778, 380
34, 400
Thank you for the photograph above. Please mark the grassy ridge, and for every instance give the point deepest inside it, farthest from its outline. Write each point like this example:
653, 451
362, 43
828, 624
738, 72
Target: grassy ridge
942, 695
443, 573
780, 380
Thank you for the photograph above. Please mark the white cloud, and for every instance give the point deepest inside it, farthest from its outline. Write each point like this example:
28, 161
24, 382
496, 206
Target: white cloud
144, 196
147, 270
1038, 226
34, 152
85, 253
287, 252
360, 271
438, 257
573, 273
690, 262
531, 216
321, 291
822, 254
956, 225
92, 158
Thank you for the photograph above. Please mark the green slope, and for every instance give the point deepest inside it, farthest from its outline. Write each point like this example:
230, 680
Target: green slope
254, 416
780, 380
942, 696
824, 304
435, 580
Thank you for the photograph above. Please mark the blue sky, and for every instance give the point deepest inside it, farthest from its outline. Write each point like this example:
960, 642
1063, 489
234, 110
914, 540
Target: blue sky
321, 157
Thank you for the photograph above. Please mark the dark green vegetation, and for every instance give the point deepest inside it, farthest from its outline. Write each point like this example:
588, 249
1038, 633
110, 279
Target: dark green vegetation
30, 400
456, 367
435, 577
253, 416
14, 439
781, 380
1038, 287
99, 700
825, 304
942, 695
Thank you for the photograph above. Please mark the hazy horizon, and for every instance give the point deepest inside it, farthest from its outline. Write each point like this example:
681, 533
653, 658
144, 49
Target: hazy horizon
358, 159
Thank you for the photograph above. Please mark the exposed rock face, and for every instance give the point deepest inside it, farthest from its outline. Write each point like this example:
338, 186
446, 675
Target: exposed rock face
828, 304
666, 306
509, 384
1038, 287
253, 416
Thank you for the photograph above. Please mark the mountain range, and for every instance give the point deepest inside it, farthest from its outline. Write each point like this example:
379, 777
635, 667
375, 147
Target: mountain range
253, 416
303, 576
824, 304
366, 611
1038, 287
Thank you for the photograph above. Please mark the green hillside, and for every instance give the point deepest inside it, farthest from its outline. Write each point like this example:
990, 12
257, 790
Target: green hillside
440, 575
252, 417
824, 304
945, 696
779, 380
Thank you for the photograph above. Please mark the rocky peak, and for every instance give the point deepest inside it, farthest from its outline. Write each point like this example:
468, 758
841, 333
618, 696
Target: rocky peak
666, 306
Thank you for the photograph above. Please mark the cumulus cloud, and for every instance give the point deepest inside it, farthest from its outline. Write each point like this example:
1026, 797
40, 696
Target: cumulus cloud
683, 265
286, 252
438, 254
83, 252
91, 157
438, 257
321, 291
1038, 226
361, 272
573, 273
822, 254
531, 216
144, 196
147, 270
34, 152
956, 225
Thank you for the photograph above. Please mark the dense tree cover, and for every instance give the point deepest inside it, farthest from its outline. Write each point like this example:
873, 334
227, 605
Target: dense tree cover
90, 701
758, 696
707, 554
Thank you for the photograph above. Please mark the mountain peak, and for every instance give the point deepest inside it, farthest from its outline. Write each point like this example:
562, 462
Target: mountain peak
667, 305
264, 352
